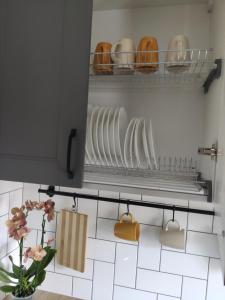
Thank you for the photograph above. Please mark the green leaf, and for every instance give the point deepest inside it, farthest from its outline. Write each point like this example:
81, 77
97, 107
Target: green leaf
12, 275
48, 258
17, 271
7, 289
39, 278
32, 270
4, 278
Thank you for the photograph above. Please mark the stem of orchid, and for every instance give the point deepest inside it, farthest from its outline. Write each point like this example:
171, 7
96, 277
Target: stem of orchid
21, 252
43, 231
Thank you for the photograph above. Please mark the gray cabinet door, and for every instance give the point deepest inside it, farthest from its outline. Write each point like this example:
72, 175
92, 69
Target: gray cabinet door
44, 68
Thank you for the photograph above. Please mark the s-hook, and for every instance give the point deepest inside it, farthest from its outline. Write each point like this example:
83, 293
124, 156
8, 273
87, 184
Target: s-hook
128, 209
174, 209
75, 204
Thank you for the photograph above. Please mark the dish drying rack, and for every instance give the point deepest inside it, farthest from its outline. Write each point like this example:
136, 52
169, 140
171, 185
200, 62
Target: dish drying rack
174, 175
193, 72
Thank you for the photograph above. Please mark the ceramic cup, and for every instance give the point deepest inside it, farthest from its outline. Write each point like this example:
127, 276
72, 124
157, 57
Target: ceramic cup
178, 55
102, 63
127, 229
123, 55
147, 57
172, 235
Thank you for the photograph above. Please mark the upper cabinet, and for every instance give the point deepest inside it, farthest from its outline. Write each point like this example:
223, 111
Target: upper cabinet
44, 70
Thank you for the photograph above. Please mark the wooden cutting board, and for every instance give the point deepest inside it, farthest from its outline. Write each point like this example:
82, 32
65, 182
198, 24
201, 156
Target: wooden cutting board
72, 240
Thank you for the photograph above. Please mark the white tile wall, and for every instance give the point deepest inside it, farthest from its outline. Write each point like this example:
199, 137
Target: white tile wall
193, 289
126, 265
184, 264
103, 284
122, 270
10, 196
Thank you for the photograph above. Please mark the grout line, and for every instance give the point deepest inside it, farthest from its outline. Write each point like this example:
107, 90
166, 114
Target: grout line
182, 285
188, 253
206, 292
174, 274
93, 277
114, 274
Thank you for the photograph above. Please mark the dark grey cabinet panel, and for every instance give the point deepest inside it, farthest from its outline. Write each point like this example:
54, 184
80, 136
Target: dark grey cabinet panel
44, 67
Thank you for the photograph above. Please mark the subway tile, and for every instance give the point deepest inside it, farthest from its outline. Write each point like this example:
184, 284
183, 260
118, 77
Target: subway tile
34, 221
157, 282
201, 205
8, 186
88, 274
61, 202
145, 215
165, 200
149, 248
163, 297
202, 223
31, 239
82, 288
101, 250
122, 293
15, 199
57, 283
4, 204
89, 207
48, 236
217, 225
103, 285
193, 289
6, 263
107, 209
216, 288
202, 244
128, 196
3, 236
125, 267
30, 192
184, 264
105, 231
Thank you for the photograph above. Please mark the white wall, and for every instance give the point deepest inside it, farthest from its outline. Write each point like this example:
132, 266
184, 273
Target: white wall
118, 270
11, 195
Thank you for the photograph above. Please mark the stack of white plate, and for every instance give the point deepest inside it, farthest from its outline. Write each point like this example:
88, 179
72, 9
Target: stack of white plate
139, 146
106, 129
111, 141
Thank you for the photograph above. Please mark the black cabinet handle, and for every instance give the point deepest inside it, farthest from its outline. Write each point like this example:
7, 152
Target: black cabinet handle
70, 173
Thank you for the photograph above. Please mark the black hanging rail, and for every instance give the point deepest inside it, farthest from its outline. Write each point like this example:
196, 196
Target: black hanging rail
52, 192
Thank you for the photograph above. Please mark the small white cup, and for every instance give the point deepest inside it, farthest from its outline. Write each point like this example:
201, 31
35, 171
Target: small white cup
123, 54
172, 235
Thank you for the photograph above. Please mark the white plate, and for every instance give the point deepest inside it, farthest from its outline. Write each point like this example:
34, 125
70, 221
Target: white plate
152, 146
121, 126
103, 136
145, 145
109, 135
114, 133
139, 147
94, 116
96, 135
88, 139
132, 153
127, 157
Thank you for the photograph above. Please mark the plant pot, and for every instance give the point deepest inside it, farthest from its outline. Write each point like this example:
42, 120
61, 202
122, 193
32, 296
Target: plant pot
31, 297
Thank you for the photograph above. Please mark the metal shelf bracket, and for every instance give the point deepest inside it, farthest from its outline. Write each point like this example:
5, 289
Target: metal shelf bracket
214, 74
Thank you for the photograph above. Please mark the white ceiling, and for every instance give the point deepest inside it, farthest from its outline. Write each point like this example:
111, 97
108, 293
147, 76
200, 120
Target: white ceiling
123, 4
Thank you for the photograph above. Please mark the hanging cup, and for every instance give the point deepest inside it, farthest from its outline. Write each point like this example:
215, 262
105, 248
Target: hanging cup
127, 229
172, 235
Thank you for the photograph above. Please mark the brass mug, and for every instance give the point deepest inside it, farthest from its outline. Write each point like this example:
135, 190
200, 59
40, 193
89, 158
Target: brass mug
102, 63
127, 229
147, 57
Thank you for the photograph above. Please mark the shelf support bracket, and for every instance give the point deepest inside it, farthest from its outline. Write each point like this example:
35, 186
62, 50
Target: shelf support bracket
214, 74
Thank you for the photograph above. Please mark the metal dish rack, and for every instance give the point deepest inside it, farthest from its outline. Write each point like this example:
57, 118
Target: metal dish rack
193, 71
174, 175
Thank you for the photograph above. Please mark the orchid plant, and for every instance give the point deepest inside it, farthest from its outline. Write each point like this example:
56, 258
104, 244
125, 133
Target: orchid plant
26, 277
